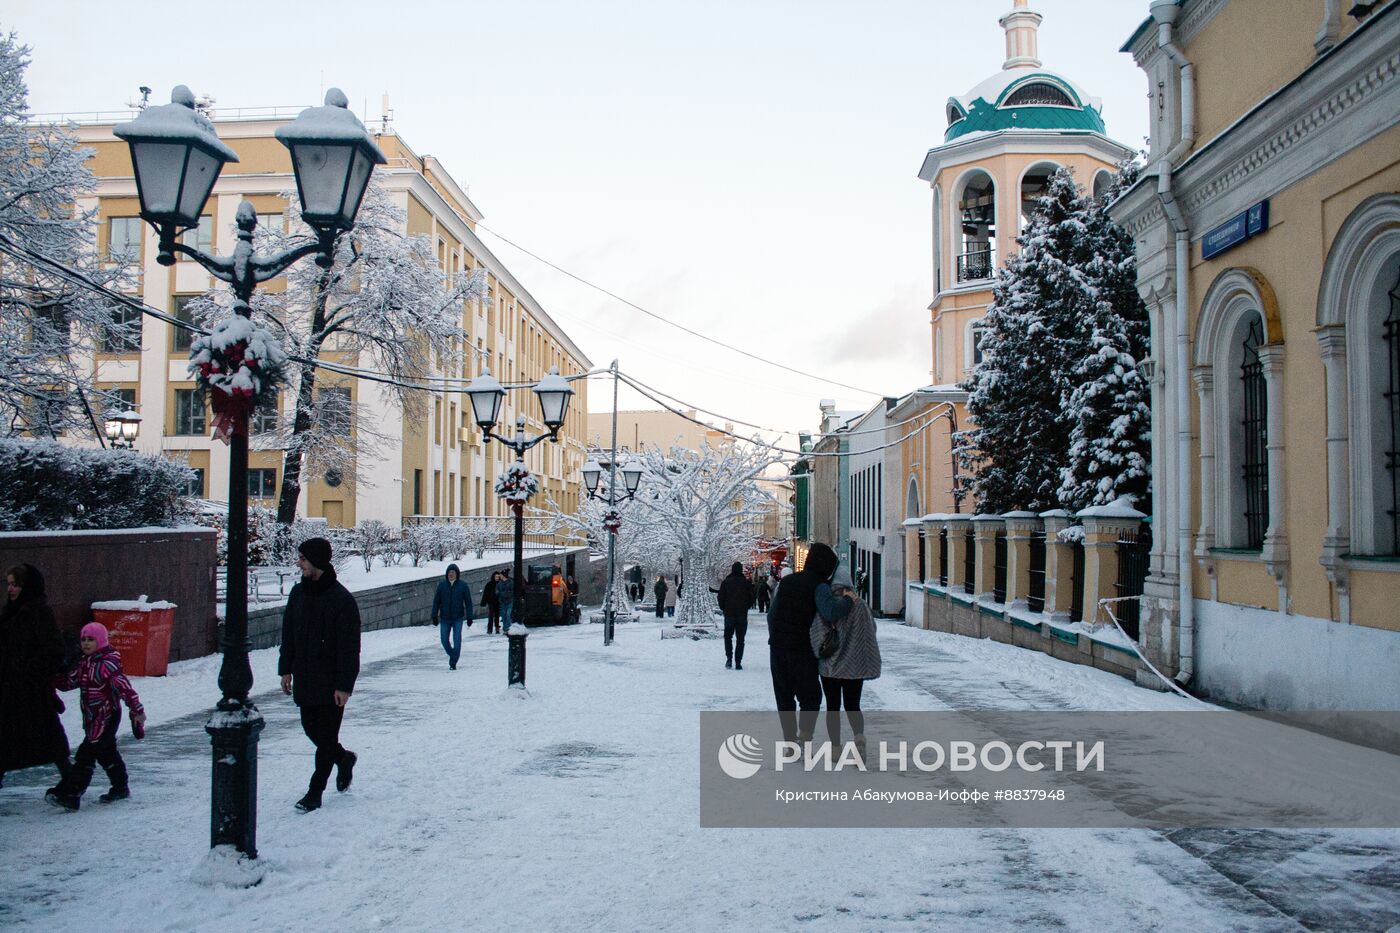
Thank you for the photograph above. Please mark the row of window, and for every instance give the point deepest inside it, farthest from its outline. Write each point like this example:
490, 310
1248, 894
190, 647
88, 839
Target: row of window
867, 496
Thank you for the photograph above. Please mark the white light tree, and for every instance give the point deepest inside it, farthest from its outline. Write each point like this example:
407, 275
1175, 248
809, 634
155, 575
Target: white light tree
49, 326
586, 527
385, 305
702, 509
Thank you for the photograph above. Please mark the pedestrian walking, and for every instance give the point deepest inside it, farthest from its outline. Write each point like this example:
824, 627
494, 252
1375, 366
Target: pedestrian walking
31, 652
319, 661
800, 597
735, 598
760, 590
856, 660
492, 600
505, 593
452, 603
104, 687
660, 590
673, 593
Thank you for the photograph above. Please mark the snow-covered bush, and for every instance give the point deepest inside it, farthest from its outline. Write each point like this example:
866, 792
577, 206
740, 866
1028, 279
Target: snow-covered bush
288, 539
48, 486
419, 541
478, 535
369, 539
262, 530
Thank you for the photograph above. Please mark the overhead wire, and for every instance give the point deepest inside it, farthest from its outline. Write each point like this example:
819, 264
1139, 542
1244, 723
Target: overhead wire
665, 320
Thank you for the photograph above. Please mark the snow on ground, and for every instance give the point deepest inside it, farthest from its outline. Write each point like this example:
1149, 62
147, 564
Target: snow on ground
577, 808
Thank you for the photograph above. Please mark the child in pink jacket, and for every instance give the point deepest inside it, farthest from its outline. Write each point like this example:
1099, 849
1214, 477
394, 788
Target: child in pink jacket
98, 674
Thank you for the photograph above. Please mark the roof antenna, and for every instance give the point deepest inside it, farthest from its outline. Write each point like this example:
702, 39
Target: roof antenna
385, 113
145, 99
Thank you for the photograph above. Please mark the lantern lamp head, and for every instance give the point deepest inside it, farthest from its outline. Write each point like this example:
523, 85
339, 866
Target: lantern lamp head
177, 157
332, 156
554, 393
486, 394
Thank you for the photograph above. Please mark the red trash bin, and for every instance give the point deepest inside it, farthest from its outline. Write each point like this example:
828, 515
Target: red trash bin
140, 631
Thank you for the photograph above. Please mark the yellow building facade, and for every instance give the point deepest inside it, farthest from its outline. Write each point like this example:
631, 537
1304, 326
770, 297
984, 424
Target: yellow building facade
1267, 229
436, 466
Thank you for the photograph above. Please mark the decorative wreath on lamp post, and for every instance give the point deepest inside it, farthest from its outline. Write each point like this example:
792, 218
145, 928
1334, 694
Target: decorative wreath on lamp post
239, 365
612, 521
516, 484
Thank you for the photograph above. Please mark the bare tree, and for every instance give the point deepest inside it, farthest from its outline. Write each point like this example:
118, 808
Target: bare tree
49, 324
385, 305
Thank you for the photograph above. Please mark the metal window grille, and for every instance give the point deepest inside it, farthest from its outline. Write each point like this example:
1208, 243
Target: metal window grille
1255, 465
1044, 95
1134, 552
969, 561
1076, 581
1035, 598
943, 557
1390, 332
999, 568
923, 555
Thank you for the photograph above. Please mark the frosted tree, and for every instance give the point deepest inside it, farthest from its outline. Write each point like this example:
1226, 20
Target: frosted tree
1108, 407
588, 527
703, 507
50, 327
480, 535
1059, 330
385, 305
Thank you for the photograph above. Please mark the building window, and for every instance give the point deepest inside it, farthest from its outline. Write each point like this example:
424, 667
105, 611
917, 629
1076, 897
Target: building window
1390, 334
417, 492
124, 336
1038, 94
124, 238
979, 332
48, 410
118, 400
977, 210
262, 482
182, 337
194, 486
334, 409
200, 237
264, 419
52, 327
189, 412
1254, 463
1034, 184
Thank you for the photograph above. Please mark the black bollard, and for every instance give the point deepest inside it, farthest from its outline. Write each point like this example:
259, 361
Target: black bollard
515, 662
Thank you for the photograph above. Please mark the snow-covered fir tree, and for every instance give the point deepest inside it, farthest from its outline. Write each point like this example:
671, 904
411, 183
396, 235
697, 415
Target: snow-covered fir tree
1108, 408
1056, 402
385, 305
50, 326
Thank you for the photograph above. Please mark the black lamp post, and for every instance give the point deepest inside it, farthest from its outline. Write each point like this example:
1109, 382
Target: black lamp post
631, 479
486, 394
177, 157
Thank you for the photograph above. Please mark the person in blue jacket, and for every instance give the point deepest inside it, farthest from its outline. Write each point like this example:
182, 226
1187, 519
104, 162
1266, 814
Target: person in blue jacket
452, 604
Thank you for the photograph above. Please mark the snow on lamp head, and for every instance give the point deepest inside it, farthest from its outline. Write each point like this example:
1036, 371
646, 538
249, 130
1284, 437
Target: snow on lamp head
592, 473
554, 393
332, 156
177, 157
632, 476
486, 393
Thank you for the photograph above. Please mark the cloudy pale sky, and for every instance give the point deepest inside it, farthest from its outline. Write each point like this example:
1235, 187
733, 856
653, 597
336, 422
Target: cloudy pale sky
748, 169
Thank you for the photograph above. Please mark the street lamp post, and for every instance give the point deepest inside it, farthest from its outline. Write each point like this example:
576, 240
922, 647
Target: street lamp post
631, 478
486, 394
177, 157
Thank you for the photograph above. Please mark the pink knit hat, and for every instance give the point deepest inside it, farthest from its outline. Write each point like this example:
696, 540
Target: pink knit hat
96, 631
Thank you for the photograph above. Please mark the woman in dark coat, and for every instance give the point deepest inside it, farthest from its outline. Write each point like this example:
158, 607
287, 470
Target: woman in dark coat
31, 653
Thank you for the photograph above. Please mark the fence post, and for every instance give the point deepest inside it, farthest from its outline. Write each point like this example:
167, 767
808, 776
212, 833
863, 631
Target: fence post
987, 526
932, 525
1059, 569
1103, 525
957, 526
1019, 528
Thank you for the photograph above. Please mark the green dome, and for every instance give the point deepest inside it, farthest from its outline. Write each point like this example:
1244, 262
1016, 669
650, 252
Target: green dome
1023, 99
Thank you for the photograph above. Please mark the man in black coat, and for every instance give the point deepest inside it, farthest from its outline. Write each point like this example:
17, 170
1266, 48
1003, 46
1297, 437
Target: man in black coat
799, 598
735, 598
319, 662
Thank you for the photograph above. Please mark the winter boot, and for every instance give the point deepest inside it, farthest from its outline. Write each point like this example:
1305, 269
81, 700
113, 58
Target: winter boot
345, 771
728, 663
68, 802
308, 803
738, 666
115, 794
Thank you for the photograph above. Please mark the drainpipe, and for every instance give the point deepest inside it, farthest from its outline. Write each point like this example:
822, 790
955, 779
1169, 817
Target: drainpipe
1165, 12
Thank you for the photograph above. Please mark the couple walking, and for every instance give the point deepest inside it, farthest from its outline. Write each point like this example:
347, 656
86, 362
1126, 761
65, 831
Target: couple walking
809, 604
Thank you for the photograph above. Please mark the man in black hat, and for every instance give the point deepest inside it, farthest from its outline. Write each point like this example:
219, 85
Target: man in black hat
319, 662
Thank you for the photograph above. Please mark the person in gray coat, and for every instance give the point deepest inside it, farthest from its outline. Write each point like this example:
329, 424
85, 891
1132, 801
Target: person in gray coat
857, 659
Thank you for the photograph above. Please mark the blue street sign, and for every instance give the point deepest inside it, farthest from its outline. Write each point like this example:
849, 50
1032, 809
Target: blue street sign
1236, 230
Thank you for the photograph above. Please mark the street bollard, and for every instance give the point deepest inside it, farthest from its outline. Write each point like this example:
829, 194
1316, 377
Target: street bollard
515, 662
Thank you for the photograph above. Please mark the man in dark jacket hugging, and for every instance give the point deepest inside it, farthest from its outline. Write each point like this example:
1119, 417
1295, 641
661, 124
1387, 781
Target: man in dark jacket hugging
319, 661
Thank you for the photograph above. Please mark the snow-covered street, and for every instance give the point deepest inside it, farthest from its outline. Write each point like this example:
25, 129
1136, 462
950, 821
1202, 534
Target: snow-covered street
577, 808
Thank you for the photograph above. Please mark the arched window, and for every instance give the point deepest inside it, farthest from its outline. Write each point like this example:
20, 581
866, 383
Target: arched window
955, 114
1103, 181
1358, 335
1239, 384
977, 211
937, 240
1033, 185
1254, 441
1038, 94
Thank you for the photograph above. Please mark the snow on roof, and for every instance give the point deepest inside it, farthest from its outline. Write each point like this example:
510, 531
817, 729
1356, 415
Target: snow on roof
132, 605
992, 88
1121, 507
